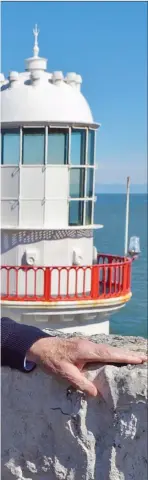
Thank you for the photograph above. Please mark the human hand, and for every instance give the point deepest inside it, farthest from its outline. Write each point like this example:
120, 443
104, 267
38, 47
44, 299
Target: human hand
67, 358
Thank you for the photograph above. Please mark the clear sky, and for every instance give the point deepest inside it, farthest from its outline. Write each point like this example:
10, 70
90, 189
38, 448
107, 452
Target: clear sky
105, 42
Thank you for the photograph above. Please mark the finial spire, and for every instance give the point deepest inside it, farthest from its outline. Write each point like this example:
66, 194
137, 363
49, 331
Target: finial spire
36, 47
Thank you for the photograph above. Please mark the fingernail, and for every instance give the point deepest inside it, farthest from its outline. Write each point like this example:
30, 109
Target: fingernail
94, 391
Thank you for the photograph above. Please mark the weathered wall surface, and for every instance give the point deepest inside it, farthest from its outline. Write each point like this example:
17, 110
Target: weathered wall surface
49, 433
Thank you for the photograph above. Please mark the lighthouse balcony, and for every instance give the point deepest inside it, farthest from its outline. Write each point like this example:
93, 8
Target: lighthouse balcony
106, 283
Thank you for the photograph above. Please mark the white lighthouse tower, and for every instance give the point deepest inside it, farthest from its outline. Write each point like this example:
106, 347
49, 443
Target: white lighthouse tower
51, 274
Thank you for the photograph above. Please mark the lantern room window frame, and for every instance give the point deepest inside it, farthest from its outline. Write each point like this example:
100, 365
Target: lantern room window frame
85, 163
33, 135
10, 132
47, 130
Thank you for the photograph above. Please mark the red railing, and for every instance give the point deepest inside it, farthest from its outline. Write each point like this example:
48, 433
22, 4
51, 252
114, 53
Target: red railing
110, 277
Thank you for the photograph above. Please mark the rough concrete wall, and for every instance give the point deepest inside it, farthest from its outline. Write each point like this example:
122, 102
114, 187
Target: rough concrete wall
49, 432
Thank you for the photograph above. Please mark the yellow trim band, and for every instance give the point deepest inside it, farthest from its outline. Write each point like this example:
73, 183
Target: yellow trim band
69, 304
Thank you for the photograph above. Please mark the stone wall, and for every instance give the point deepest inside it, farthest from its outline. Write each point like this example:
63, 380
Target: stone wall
49, 432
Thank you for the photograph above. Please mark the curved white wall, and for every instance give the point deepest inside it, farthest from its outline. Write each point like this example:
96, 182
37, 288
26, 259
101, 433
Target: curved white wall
35, 196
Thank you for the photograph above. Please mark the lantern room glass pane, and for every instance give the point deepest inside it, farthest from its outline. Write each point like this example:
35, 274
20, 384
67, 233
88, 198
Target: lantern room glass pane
91, 147
33, 146
77, 182
10, 147
89, 186
76, 211
78, 138
57, 148
88, 219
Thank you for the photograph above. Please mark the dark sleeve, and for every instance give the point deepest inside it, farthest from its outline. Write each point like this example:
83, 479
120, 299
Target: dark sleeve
16, 339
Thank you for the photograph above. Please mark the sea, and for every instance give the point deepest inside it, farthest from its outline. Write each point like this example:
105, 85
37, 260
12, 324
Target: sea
110, 211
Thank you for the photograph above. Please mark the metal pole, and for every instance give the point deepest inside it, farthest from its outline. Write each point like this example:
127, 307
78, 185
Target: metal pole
127, 217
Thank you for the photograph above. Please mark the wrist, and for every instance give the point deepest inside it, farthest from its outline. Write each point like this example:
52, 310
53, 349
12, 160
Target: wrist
31, 354
35, 351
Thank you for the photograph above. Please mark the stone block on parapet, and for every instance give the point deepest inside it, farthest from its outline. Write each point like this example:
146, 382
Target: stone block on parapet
50, 432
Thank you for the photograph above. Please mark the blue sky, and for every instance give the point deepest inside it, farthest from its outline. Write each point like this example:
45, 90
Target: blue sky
106, 43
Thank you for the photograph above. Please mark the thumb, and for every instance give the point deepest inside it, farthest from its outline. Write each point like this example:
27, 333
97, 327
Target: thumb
77, 379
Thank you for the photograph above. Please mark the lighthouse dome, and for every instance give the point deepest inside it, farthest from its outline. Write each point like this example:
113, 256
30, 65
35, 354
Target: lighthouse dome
37, 96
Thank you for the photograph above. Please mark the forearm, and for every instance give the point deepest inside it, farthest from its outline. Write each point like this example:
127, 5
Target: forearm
16, 339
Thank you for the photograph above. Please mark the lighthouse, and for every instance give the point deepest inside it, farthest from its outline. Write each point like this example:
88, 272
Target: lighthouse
51, 273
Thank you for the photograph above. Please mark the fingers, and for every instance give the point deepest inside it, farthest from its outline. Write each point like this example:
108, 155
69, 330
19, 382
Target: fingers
137, 359
77, 379
106, 354
121, 356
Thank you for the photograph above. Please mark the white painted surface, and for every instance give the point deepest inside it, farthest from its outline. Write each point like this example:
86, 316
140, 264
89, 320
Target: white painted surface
10, 177
93, 226
32, 182
36, 65
32, 212
88, 330
40, 194
46, 102
9, 212
87, 324
56, 213
54, 248
57, 182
